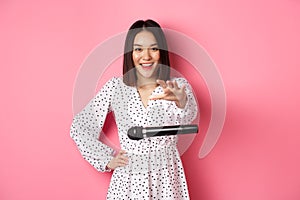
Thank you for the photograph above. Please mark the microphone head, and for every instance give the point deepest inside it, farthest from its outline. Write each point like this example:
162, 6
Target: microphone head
135, 133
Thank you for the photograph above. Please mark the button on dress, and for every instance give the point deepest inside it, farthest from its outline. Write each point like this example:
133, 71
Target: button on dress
155, 169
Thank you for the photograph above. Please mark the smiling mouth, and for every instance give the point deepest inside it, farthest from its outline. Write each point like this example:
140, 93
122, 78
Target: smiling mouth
147, 66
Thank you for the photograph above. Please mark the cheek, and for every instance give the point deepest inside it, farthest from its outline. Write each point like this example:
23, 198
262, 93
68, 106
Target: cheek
135, 57
156, 56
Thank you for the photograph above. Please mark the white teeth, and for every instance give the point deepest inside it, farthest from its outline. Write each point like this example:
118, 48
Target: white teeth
147, 65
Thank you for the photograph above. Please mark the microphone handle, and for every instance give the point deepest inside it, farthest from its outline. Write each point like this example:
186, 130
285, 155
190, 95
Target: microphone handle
169, 130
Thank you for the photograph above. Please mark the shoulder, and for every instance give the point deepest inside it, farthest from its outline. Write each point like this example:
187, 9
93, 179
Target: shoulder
109, 86
113, 82
116, 83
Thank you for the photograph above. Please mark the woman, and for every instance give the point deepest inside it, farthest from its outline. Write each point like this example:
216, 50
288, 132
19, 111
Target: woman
145, 96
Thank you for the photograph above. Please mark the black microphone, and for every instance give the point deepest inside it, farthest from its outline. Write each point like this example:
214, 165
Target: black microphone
139, 132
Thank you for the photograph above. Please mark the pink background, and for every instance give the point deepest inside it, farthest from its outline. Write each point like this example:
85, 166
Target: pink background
255, 45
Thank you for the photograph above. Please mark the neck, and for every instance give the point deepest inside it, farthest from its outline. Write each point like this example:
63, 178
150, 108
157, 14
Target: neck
146, 82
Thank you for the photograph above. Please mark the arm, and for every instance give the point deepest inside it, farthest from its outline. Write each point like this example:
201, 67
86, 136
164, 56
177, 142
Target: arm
88, 124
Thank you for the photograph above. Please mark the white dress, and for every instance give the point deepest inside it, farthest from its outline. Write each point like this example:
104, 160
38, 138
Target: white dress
155, 169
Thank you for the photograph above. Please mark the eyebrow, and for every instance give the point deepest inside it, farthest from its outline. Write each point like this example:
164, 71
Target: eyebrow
139, 45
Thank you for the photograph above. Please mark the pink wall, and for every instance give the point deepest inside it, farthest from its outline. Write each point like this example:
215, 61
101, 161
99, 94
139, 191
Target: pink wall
255, 45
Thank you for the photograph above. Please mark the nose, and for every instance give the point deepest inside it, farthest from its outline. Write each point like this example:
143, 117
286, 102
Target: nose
146, 55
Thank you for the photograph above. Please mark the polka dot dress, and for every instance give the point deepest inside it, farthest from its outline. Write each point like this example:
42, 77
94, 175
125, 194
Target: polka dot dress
154, 170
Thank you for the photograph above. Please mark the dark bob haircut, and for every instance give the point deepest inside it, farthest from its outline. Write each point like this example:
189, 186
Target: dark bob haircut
129, 72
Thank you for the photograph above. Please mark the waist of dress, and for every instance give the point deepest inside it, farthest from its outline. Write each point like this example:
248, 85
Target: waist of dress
150, 159
152, 144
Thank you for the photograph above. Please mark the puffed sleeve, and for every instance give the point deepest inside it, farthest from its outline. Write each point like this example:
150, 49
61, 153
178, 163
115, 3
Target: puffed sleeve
187, 114
87, 126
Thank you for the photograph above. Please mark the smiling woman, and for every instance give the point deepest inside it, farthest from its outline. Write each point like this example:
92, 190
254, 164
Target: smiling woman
145, 96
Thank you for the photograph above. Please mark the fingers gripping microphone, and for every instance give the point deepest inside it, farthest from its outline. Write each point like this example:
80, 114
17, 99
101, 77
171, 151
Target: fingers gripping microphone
139, 132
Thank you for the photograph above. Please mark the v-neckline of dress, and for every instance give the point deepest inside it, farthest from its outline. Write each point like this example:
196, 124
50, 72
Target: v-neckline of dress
140, 98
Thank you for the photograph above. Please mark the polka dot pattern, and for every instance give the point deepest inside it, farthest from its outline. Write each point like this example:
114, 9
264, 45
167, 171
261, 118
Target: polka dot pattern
155, 169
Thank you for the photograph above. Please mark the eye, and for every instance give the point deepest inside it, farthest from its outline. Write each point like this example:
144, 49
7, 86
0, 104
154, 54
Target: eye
138, 49
154, 49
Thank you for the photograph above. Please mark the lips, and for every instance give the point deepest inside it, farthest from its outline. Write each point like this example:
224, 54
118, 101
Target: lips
146, 66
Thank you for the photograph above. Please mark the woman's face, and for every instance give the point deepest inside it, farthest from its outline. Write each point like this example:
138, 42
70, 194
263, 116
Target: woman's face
145, 55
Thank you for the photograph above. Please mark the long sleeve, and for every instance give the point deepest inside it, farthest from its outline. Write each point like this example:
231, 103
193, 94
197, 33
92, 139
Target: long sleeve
187, 114
87, 126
